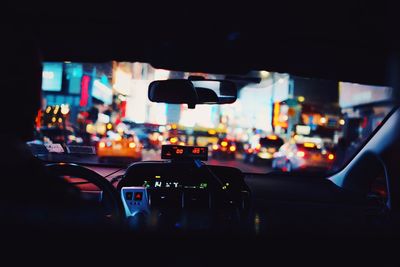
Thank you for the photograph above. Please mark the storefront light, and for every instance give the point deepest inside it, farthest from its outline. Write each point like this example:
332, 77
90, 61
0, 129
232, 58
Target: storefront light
301, 99
56, 109
64, 109
122, 82
264, 74
101, 129
122, 98
90, 128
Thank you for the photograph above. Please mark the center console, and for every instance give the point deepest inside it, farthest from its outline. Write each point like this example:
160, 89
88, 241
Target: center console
182, 191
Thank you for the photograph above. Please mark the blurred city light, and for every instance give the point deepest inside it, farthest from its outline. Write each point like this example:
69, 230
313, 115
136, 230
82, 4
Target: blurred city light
264, 74
301, 154
132, 145
64, 109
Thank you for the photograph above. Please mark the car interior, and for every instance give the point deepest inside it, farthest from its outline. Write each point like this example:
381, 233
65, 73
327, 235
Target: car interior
181, 208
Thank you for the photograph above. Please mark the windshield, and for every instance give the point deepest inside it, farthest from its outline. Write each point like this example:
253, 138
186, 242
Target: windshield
100, 114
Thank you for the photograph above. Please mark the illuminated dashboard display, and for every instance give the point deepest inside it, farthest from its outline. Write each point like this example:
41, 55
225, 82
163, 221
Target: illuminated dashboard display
184, 152
158, 182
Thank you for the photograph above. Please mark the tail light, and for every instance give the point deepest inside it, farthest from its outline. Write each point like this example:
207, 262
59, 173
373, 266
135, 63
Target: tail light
258, 146
102, 145
224, 143
215, 147
331, 157
232, 148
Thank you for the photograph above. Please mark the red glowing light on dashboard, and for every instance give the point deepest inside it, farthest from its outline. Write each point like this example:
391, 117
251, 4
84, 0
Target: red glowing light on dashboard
179, 151
196, 150
138, 196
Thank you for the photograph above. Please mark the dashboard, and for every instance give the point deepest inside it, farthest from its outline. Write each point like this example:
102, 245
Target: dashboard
176, 190
182, 176
171, 194
153, 175
281, 204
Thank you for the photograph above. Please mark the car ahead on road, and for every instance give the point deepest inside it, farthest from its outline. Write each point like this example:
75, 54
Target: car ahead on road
59, 136
263, 150
119, 148
148, 134
297, 156
224, 149
173, 140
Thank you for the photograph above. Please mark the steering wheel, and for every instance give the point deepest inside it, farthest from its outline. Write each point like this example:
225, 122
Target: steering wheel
115, 202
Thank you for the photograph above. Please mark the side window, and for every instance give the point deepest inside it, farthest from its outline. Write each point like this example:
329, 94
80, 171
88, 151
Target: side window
367, 177
379, 186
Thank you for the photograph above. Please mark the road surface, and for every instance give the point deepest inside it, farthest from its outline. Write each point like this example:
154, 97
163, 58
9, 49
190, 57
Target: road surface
237, 163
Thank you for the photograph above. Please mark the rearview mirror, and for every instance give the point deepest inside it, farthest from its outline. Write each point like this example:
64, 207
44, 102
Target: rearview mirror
180, 91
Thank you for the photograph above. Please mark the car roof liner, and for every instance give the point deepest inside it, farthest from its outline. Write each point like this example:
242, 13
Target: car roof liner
329, 40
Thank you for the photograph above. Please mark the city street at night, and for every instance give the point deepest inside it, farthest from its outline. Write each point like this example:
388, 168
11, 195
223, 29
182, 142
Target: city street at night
151, 155
105, 108
238, 163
